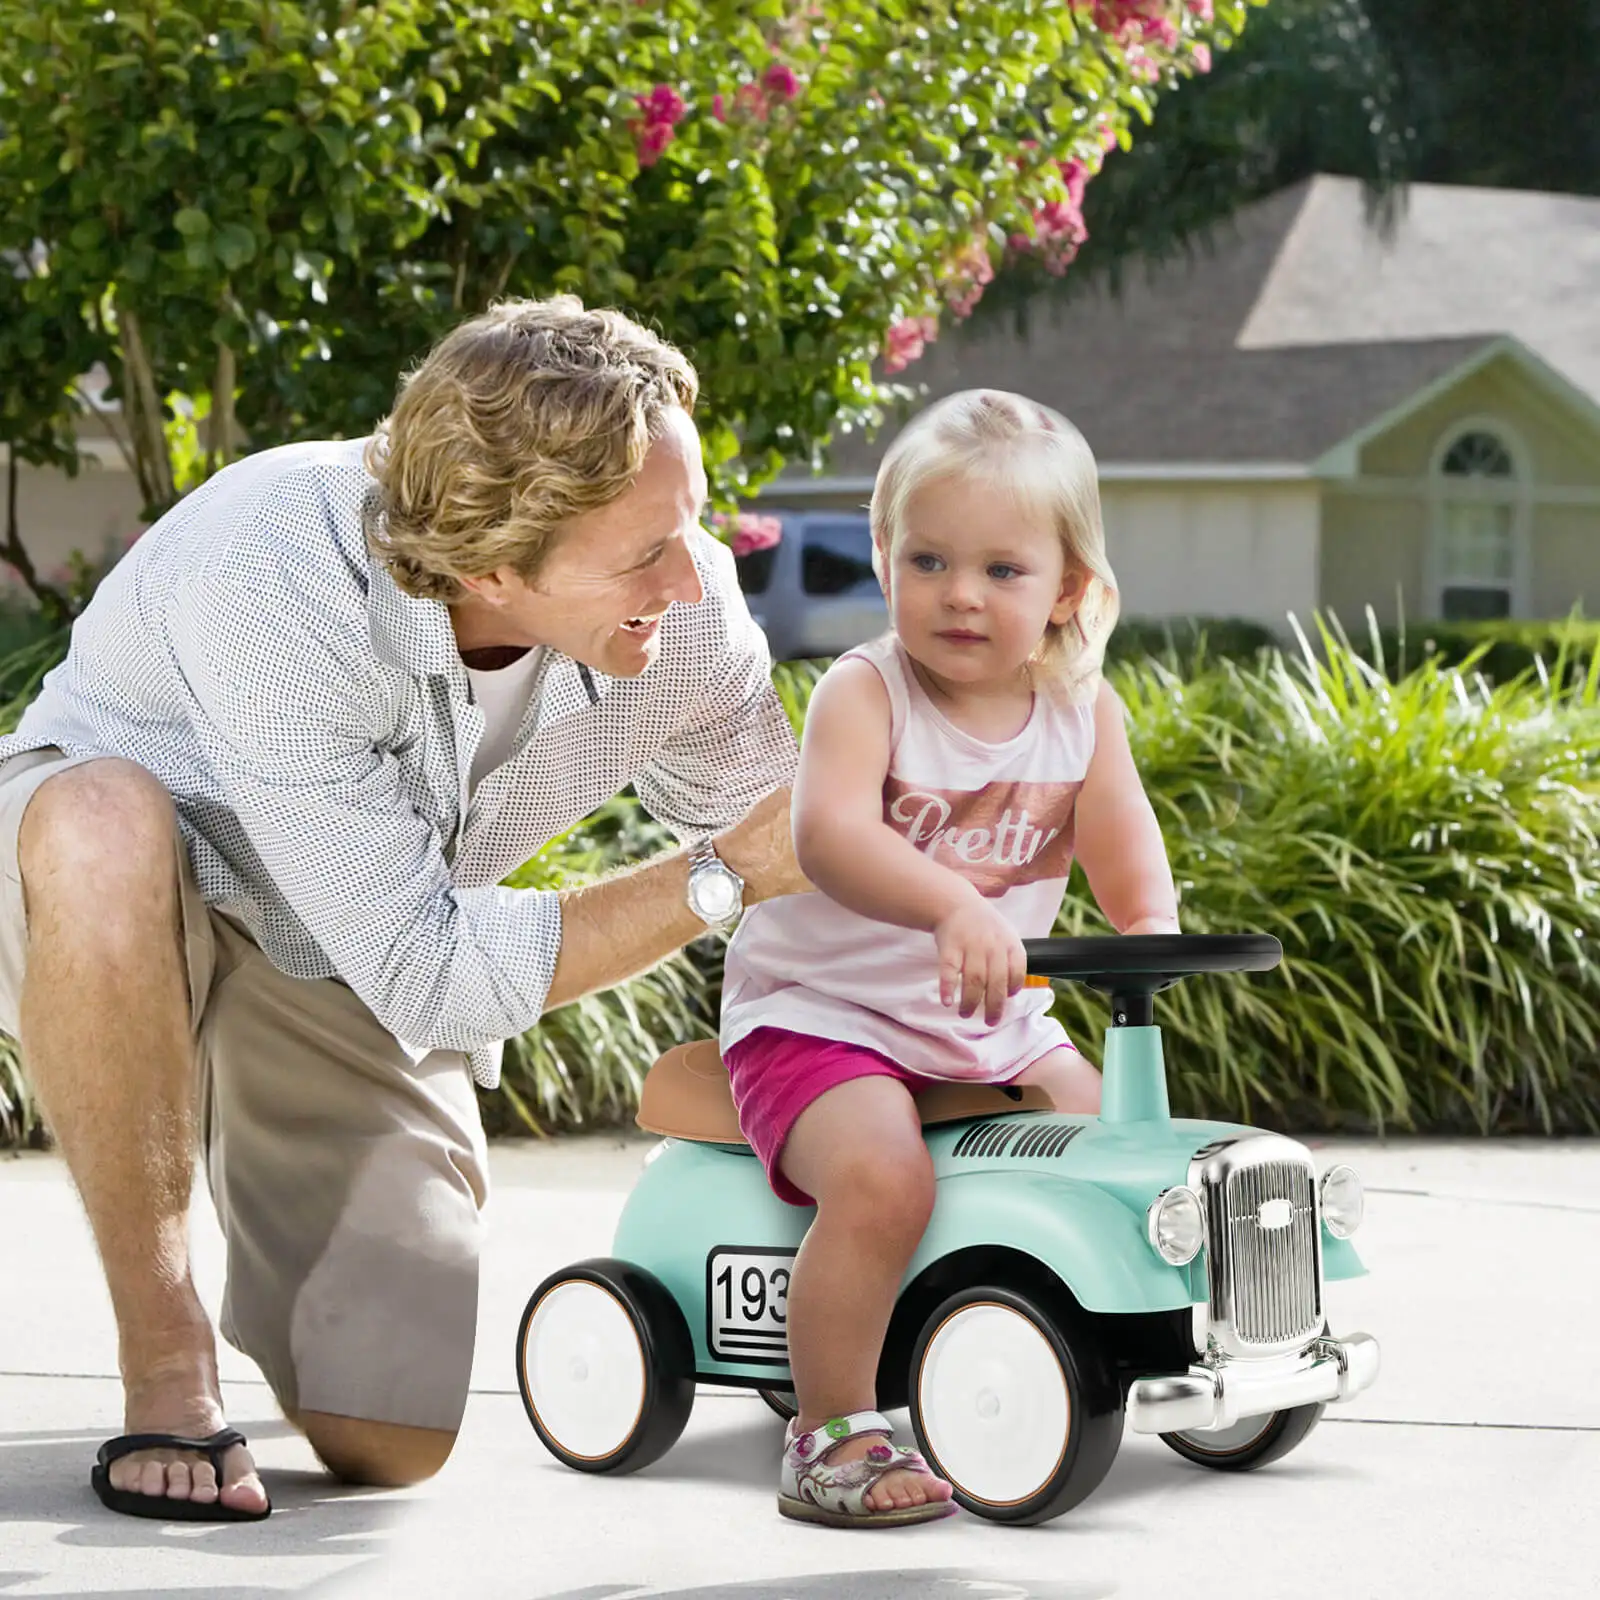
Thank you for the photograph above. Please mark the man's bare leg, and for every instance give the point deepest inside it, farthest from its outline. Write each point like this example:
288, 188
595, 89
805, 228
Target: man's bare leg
106, 1040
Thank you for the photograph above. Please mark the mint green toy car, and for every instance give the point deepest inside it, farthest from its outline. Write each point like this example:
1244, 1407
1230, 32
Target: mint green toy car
1079, 1274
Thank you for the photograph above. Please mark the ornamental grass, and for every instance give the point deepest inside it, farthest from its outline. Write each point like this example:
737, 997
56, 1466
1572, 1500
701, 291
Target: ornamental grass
1425, 850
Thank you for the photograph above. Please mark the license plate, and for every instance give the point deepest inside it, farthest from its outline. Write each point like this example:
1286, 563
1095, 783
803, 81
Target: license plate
747, 1305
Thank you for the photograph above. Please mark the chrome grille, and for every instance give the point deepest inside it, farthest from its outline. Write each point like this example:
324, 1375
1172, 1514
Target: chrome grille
1275, 1292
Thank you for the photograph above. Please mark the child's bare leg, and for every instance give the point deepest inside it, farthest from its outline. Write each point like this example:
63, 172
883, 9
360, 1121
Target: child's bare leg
859, 1152
1069, 1080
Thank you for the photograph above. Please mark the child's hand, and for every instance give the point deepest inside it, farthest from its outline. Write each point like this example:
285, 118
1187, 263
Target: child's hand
981, 957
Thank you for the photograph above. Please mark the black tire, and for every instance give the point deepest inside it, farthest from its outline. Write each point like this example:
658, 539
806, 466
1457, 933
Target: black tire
663, 1376
1244, 1447
1092, 1395
780, 1402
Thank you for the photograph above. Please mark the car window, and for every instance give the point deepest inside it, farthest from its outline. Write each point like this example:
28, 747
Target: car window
836, 556
755, 569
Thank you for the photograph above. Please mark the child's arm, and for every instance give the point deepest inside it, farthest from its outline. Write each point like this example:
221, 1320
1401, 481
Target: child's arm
841, 841
1118, 838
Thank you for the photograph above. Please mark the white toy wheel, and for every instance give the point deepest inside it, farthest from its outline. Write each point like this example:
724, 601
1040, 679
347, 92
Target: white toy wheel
605, 1366
1014, 1405
1251, 1442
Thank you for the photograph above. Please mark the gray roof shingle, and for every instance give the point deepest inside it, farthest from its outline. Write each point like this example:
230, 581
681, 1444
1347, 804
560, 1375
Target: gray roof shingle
1297, 326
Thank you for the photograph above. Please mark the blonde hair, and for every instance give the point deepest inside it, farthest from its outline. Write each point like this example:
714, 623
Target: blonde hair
517, 420
1037, 457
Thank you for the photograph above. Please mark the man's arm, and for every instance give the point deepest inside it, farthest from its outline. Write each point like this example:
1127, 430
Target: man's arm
615, 929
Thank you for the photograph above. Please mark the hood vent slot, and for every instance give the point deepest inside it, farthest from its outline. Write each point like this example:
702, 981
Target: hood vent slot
985, 1141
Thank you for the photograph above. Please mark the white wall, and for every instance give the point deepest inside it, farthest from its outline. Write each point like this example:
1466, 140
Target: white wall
1214, 549
57, 514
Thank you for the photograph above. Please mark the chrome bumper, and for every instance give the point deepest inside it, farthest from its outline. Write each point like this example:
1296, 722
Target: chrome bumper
1219, 1393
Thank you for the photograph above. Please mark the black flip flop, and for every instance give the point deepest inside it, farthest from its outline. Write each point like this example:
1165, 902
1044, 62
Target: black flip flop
163, 1507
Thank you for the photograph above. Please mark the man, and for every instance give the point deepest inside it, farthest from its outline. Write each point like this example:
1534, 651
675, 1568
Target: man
253, 830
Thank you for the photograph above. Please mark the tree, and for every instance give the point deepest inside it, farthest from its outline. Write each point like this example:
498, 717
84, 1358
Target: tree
1388, 91
1500, 95
271, 209
1309, 87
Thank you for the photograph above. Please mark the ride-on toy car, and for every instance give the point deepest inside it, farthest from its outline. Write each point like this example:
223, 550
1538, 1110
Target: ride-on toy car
1077, 1272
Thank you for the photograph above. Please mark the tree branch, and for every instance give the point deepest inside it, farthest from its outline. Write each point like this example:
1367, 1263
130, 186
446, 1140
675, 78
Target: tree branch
52, 602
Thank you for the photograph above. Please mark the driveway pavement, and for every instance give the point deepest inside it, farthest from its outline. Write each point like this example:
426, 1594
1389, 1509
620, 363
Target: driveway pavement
1471, 1470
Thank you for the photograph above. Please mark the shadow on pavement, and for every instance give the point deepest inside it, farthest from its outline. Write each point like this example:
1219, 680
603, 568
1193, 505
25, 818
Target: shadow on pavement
927, 1584
48, 1482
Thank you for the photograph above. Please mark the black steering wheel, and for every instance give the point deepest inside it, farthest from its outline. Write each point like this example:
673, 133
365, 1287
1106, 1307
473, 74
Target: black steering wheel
1134, 968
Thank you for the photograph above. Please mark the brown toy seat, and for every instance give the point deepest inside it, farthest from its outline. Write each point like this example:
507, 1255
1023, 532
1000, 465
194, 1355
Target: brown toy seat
686, 1095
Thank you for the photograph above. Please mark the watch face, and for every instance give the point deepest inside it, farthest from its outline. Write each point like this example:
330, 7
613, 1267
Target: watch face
715, 895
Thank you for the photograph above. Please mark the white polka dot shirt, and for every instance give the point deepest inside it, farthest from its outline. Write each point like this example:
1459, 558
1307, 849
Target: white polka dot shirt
316, 728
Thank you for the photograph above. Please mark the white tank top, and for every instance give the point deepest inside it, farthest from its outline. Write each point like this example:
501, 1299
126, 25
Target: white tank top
502, 696
1002, 816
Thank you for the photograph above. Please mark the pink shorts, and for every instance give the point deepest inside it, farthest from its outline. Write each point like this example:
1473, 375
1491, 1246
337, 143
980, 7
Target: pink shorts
776, 1074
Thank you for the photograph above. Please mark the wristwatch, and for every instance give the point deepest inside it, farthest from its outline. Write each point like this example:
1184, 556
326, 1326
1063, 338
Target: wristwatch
716, 891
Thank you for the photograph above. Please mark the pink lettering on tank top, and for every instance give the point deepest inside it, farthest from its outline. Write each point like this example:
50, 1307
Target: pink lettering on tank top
997, 837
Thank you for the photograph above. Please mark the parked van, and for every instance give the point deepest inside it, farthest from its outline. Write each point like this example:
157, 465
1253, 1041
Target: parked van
813, 593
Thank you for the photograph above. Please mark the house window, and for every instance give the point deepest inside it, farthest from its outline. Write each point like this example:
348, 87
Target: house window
1478, 521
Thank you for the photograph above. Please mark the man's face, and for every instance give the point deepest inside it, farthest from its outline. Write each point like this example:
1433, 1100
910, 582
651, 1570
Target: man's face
601, 593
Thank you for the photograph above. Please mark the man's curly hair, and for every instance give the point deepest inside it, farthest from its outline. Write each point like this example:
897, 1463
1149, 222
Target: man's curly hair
514, 423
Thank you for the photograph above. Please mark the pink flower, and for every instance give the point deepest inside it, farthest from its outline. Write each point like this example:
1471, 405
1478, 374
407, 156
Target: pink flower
968, 274
662, 107
1203, 9
755, 533
662, 104
717, 108
652, 138
752, 98
779, 79
1164, 31
1201, 56
906, 341
1076, 177
1142, 65
1059, 221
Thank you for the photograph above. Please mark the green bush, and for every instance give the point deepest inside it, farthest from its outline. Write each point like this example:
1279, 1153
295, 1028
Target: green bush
1425, 850
1501, 651
1189, 644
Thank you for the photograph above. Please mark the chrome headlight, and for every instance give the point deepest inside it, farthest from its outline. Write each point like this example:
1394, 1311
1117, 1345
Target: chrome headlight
1176, 1225
1343, 1201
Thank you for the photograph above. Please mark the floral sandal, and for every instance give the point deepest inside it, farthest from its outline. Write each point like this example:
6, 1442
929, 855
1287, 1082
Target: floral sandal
811, 1490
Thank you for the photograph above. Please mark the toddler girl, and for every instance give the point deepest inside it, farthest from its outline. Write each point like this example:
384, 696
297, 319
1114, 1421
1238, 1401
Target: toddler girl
949, 773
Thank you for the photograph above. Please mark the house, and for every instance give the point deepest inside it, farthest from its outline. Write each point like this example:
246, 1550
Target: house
1313, 412
1309, 412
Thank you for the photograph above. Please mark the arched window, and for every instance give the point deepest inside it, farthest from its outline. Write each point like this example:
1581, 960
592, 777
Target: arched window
1479, 499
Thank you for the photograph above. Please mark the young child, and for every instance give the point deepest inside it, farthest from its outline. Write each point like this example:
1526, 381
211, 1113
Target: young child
948, 774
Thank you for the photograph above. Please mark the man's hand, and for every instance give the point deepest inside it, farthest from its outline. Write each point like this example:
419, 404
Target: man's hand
761, 850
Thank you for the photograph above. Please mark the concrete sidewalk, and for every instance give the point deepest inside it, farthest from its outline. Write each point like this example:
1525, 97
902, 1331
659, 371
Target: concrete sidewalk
1471, 1469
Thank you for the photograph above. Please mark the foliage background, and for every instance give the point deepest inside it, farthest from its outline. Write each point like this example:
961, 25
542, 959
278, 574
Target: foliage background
1425, 849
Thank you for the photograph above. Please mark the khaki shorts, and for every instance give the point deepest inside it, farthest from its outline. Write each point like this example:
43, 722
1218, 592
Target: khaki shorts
349, 1180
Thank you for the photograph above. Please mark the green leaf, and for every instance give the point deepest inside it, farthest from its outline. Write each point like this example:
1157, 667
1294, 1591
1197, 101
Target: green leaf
234, 245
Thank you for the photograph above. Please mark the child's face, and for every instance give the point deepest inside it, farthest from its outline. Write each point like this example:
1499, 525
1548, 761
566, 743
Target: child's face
973, 582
